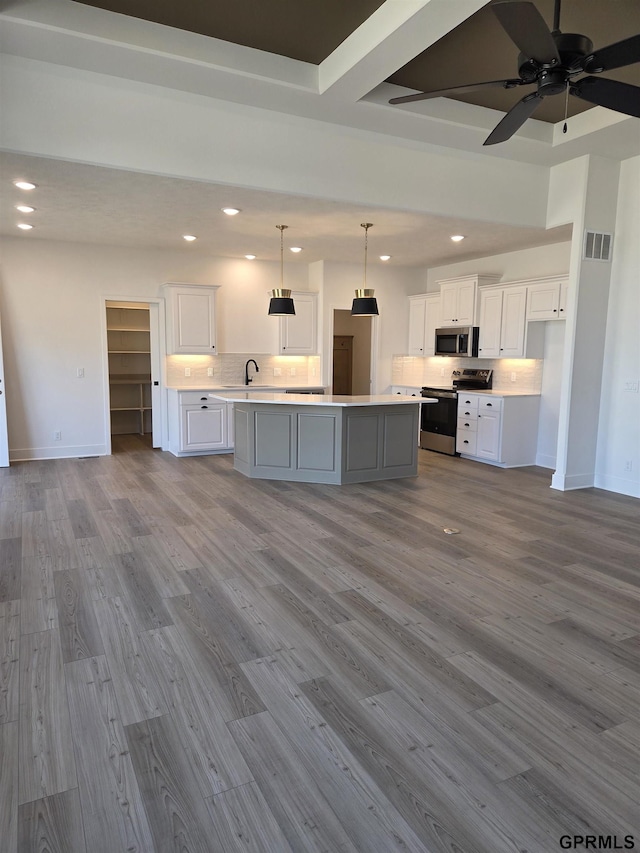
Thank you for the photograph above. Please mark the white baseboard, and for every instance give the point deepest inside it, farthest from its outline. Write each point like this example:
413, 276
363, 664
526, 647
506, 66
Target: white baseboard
30, 454
543, 460
618, 484
568, 482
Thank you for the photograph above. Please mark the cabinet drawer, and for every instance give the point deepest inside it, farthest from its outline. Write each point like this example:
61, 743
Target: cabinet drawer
190, 398
490, 404
466, 442
467, 402
467, 424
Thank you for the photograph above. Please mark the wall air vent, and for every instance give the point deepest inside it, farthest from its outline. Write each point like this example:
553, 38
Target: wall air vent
597, 246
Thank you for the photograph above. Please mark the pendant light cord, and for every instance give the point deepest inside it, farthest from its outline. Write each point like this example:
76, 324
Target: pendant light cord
366, 226
281, 229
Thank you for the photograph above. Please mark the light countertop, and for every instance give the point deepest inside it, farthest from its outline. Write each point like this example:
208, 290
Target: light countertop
315, 399
502, 393
247, 388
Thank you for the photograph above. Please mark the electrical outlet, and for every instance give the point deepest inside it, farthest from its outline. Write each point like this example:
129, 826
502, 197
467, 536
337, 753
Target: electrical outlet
277, 371
292, 371
187, 371
57, 436
513, 376
628, 466
209, 371
80, 373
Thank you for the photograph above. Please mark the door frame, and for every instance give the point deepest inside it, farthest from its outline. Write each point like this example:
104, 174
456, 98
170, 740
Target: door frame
4, 427
158, 364
375, 336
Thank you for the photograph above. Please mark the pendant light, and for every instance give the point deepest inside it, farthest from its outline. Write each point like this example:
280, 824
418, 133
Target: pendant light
281, 303
365, 304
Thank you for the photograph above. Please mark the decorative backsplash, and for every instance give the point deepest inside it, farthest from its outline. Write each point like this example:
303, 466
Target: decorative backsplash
415, 371
228, 369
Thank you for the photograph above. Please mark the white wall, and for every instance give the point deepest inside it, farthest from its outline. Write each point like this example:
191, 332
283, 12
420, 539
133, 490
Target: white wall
619, 426
52, 304
550, 394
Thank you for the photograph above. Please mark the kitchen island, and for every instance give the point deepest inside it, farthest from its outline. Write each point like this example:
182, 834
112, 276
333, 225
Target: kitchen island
324, 438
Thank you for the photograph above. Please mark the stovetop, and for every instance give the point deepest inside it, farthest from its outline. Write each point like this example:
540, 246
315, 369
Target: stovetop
466, 379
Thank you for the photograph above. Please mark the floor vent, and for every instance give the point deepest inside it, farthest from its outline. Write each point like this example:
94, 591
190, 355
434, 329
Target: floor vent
597, 245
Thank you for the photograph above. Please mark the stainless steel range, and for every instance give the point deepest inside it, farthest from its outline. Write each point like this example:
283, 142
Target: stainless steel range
438, 422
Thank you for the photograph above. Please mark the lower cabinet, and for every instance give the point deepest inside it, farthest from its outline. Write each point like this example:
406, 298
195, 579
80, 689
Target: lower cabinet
500, 430
198, 424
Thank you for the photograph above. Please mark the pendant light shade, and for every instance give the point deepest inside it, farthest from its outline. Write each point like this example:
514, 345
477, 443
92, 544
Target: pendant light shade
365, 303
281, 303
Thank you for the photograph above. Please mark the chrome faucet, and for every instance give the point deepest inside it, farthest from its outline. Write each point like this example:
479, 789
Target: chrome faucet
246, 371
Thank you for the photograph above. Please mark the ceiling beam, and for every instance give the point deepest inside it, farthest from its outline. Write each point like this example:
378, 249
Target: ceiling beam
396, 33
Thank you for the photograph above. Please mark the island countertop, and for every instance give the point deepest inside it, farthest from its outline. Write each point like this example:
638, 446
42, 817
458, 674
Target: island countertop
317, 399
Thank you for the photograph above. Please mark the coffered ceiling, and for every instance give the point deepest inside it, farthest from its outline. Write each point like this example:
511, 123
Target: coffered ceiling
476, 50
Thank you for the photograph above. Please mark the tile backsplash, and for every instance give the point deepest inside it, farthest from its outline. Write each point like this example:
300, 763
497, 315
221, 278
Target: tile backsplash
228, 369
416, 371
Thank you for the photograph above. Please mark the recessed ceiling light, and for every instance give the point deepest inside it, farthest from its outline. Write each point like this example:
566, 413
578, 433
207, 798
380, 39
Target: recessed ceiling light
24, 185
385, 257
250, 257
230, 211
189, 238
295, 249
457, 237
25, 226
24, 208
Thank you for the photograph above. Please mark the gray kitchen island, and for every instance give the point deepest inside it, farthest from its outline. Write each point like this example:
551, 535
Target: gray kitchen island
324, 438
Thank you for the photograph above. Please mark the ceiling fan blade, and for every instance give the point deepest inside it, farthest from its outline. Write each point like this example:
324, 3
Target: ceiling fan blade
527, 28
514, 119
457, 90
612, 94
616, 55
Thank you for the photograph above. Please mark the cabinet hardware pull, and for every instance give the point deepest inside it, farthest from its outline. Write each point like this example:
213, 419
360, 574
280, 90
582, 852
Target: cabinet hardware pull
466, 441
489, 404
554, 310
204, 407
203, 398
467, 424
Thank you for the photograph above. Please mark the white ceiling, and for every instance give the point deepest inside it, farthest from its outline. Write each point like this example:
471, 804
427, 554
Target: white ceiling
92, 204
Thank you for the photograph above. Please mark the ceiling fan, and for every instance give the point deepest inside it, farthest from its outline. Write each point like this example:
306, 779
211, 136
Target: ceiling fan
550, 60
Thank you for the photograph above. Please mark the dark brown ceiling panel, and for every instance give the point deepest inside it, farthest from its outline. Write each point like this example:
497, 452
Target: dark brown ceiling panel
479, 49
308, 30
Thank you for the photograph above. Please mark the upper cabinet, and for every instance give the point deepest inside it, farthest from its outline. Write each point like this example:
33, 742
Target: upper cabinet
299, 332
424, 319
547, 300
502, 322
191, 318
459, 297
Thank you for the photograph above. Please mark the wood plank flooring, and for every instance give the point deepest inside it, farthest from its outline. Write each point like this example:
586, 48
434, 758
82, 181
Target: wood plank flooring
192, 661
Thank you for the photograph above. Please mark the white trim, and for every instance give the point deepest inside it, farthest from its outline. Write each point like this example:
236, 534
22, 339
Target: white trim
618, 485
30, 454
160, 359
568, 482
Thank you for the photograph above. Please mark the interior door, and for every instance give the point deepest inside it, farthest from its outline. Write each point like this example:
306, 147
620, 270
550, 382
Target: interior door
4, 438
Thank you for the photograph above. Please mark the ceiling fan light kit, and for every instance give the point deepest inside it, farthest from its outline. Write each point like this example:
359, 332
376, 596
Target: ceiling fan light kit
550, 60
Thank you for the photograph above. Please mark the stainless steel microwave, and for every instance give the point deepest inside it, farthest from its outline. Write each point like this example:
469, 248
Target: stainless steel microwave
459, 341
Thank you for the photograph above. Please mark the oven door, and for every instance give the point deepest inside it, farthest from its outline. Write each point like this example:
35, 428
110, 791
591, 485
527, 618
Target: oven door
438, 422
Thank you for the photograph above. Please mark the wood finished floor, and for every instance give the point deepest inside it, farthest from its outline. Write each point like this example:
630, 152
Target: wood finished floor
193, 661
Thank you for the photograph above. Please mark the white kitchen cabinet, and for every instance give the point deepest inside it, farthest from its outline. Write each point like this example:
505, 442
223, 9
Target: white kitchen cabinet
199, 424
299, 332
502, 322
547, 300
191, 318
499, 430
458, 298
424, 319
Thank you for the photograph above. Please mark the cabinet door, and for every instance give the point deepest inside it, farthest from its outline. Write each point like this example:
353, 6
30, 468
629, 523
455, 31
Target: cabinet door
449, 303
488, 435
298, 333
417, 325
512, 327
490, 323
431, 322
543, 301
466, 303
191, 320
204, 427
